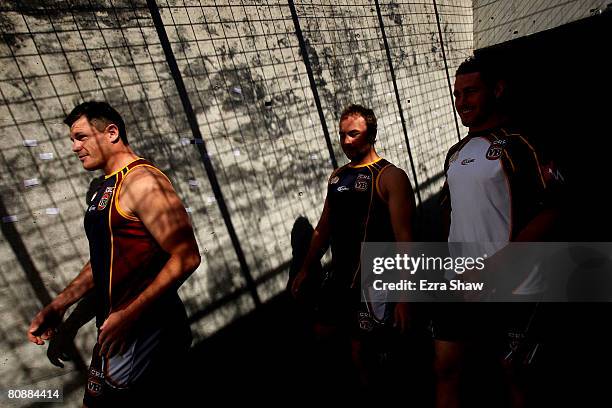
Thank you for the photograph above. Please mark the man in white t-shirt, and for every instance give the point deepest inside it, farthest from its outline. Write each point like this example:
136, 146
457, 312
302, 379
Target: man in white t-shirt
498, 190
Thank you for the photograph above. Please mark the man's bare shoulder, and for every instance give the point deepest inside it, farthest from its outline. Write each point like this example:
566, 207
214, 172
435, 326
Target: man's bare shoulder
394, 180
146, 190
335, 172
146, 179
393, 175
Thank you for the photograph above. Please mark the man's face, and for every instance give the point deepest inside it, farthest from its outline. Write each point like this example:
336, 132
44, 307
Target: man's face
88, 144
474, 100
354, 137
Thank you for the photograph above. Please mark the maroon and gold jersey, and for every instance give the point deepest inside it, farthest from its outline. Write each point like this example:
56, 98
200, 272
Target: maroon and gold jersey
124, 256
125, 259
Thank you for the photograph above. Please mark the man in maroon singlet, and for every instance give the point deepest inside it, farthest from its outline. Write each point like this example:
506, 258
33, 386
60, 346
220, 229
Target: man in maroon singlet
142, 248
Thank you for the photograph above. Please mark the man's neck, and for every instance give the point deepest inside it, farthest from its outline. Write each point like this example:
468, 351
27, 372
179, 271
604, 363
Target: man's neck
119, 160
370, 157
495, 121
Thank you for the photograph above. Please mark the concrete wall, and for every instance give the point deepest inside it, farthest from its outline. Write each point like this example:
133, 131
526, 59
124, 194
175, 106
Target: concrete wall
255, 107
497, 21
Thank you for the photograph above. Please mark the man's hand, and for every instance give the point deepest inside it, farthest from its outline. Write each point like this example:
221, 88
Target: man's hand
44, 323
61, 346
50, 317
114, 333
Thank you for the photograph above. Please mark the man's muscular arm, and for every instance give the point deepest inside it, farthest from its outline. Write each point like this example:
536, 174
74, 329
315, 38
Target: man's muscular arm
148, 195
396, 190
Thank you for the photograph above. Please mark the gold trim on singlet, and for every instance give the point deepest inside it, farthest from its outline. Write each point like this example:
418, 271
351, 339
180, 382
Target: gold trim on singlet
364, 165
115, 172
110, 230
365, 233
154, 168
116, 200
535, 155
116, 203
507, 180
376, 182
510, 160
365, 229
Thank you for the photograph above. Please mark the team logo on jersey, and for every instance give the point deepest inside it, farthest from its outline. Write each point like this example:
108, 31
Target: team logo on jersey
494, 152
365, 322
334, 180
362, 182
105, 197
496, 149
467, 161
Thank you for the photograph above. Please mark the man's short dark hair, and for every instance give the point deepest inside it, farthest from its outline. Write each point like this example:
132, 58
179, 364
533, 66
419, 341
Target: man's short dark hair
488, 72
100, 115
367, 114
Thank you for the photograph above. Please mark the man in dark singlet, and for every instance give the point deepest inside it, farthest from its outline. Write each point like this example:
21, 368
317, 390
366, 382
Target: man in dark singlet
142, 248
369, 199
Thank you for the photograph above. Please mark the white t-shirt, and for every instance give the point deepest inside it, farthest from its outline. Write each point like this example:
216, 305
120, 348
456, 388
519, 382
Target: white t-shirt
482, 207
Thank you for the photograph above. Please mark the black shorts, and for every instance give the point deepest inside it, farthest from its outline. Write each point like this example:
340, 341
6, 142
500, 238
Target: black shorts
159, 381
343, 308
162, 383
502, 326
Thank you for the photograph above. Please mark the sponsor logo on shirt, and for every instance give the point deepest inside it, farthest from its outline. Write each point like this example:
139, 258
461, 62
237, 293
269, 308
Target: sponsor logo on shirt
362, 182
104, 200
467, 161
95, 377
94, 387
342, 188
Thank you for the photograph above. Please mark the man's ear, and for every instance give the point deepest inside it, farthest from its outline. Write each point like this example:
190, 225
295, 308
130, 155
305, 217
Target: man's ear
500, 89
113, 133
